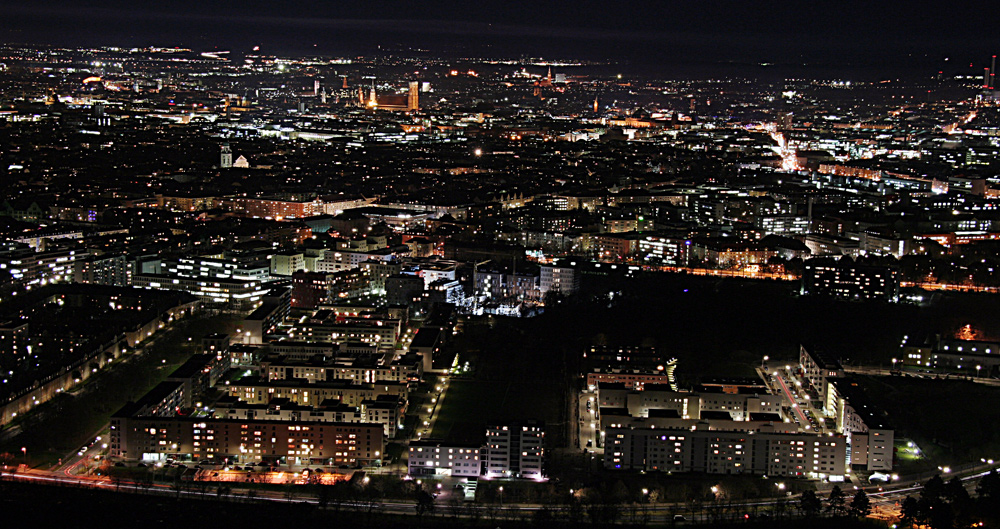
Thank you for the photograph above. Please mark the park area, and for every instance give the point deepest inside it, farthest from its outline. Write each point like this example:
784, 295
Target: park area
950, 421
470, 405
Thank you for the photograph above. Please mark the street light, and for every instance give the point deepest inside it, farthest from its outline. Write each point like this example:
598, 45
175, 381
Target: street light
24, 451
978, 367
501, 496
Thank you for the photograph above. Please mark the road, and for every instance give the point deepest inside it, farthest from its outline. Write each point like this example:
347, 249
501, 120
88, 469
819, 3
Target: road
425, 423
804, 421
881, 371
588, 424
884, 499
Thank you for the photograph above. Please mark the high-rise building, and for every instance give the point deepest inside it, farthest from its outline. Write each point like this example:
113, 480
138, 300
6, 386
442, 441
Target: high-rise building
413, 97
514, 450
226, 157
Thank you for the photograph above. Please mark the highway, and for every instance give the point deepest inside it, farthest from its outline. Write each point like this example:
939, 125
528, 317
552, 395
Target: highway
885, 500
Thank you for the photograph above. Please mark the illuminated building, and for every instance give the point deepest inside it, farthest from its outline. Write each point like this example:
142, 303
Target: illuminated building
616, 246
847, 409
643, 358
413, 97
408, 102
255, 390
220, 440
362, 369
633, 378
102, 270
240, 294
437, 458
14, 338
703, 405
561, 278
665, 249
725, 252
380, 330
226, 157
309, 289
514, 450
28, 267
275, 208
264, 320
287, 263
403, 289
718, 452
845, 279
959, 355
871, 439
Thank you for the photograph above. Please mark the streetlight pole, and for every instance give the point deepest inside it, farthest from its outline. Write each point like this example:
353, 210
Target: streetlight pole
501, 496
978, 367
24, 452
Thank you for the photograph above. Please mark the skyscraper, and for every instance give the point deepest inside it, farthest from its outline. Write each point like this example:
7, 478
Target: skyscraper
413, 97
226, 157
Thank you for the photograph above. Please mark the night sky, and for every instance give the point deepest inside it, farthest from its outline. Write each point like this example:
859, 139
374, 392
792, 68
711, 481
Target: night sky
846, 35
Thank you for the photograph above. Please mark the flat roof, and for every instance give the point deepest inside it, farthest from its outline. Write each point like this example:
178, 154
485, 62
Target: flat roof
863, 404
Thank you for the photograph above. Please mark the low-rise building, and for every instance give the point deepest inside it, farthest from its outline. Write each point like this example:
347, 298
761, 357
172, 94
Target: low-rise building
438, 458
255, 390
244, 441
844, 279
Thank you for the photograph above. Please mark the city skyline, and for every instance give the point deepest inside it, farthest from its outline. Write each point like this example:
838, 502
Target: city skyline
804, 37
435, 263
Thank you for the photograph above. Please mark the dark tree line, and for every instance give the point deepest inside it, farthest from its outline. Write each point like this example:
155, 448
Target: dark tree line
946, 505
837, 504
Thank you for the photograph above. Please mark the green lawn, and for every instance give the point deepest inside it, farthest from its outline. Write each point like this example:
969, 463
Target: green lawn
470, 404
950, 420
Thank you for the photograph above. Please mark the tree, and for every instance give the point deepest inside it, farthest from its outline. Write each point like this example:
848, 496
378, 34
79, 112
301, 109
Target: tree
942, 516
933, 490
223, 491
961, 503
425, 503
910, 511
810, 504
860, 505
836, 503
988, 495
932, 507
989, 487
